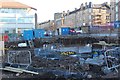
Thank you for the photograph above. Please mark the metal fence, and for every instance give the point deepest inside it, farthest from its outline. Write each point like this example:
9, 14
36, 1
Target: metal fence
14, 37
112, 59
19, 57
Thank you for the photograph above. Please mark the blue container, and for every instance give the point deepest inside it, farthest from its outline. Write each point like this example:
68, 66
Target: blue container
65, 31
39, 33
28, 35
116, 24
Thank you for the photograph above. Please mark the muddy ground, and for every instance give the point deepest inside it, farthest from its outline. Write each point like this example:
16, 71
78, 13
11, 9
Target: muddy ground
65, 68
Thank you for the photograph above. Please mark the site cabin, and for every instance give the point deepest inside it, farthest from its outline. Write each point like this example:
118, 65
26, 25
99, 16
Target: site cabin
35, 33
62, 31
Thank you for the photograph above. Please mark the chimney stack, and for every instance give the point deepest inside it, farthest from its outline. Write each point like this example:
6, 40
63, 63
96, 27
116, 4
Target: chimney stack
81, 6
63, 14
68, 12
90, 5
75, 8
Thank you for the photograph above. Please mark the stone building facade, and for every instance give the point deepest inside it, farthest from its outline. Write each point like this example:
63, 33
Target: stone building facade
87, 14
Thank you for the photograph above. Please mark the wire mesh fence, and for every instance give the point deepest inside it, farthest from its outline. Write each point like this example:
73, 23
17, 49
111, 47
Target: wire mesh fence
22, 57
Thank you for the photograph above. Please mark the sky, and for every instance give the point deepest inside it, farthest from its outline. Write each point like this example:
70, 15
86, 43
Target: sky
47, 8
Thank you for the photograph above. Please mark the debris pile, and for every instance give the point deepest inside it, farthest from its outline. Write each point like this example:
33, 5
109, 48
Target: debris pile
55, 64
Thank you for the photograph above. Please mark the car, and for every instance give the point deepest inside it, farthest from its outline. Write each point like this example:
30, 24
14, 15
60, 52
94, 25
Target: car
72, 31
48, 33
78, 31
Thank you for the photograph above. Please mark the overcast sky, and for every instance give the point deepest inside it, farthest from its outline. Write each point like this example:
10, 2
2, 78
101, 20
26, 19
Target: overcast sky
47, 8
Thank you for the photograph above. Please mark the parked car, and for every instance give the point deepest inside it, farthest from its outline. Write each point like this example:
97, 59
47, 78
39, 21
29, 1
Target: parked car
72, 31
78, 31
48, 33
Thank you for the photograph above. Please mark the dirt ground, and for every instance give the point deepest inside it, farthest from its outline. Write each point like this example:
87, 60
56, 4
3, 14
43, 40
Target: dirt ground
65, 68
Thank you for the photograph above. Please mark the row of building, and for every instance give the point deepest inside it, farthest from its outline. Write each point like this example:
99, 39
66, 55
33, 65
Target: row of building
16, 17
87, 14
115, 11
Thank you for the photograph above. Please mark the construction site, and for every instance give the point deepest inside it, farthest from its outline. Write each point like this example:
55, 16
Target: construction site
66, 57
79, 44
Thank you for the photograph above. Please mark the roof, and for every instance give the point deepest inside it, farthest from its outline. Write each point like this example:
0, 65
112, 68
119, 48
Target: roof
13, 4
95, 6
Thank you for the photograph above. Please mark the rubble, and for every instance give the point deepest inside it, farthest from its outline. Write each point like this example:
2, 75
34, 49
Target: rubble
54, 64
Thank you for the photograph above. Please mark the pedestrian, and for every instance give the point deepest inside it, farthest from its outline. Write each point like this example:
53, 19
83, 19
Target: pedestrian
5, 38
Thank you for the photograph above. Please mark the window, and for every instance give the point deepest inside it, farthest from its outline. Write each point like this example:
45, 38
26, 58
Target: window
112, 8
19, 20
10, 10
90, 17
90, 10
8, 20
99, 10
116, 8
104, 8
116, 1
117, 17
107, 17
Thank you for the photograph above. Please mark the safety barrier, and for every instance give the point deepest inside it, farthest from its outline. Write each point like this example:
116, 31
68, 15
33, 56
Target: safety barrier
112, 59
22, 57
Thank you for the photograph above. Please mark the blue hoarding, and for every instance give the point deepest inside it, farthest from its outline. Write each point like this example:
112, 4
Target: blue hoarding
65, 31
39, 33
28, 35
